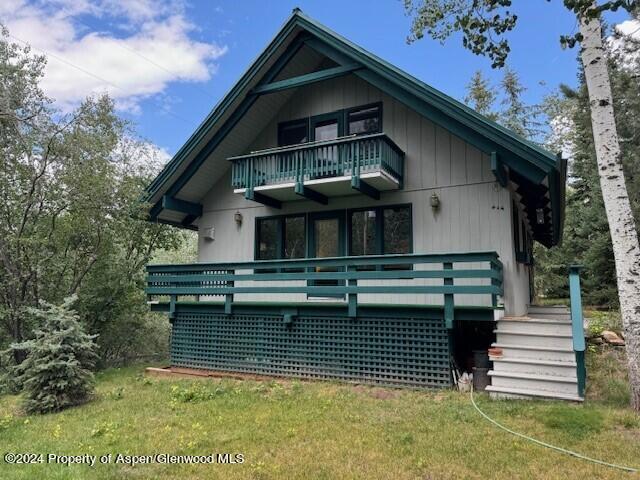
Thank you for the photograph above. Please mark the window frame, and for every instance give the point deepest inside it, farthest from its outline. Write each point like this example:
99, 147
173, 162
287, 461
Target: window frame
288, 123
280, 241
348, 111
379, 228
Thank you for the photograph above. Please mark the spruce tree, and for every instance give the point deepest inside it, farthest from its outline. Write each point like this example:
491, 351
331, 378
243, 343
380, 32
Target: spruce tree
56, 373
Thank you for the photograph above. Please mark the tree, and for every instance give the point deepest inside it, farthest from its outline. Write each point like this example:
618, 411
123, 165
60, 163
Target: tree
483, 24
481, 95
70, 217
56, 373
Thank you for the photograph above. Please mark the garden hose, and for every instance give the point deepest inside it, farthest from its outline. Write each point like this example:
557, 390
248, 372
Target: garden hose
547, 445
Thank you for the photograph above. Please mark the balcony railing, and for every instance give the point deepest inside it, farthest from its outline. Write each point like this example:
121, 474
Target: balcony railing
346, 279
345, 156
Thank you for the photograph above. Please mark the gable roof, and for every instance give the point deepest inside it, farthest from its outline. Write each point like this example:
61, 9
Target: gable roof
540, 174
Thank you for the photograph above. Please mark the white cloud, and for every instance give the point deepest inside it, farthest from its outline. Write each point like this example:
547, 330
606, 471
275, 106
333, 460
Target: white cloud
158, 47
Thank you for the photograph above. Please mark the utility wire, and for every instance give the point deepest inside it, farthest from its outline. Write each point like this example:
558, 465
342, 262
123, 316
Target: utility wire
91, 74
548, 445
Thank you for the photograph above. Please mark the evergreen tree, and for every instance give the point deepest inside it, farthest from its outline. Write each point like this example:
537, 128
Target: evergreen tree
56, 373
481, 95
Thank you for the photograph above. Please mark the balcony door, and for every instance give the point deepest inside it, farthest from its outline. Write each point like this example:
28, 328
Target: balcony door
327, 239
326, 127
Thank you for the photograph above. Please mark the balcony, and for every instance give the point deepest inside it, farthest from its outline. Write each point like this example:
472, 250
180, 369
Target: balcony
368, 164
432, 279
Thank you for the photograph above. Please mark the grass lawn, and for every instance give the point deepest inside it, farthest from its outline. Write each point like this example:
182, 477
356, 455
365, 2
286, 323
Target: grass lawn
318, 430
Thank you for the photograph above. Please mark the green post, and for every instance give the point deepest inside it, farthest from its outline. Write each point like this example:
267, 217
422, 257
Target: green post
448, 298
228, 299
577, 326
352, 297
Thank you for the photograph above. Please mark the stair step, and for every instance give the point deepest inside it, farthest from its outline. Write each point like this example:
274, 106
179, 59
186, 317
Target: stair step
539, 339
534, 327
548, 309
534, 320
525, 392
551, 316
534, 366
534, 352
548, 383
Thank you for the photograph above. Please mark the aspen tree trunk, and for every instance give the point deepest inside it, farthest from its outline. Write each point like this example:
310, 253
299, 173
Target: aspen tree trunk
614, 192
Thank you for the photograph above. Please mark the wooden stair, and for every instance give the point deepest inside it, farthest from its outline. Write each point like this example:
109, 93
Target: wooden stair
537, 359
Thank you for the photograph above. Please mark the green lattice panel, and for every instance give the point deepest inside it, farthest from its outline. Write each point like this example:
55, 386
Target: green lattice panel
393, 351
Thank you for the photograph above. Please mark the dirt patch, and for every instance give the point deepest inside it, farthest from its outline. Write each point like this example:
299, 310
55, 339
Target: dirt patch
375, 392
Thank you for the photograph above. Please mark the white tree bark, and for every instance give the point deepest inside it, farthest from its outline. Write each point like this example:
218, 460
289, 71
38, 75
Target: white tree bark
614, 191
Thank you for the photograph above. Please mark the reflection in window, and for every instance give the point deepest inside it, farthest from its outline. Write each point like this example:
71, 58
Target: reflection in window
268, 239
397, 230
293, 133
364, 121
363, 232
294, 237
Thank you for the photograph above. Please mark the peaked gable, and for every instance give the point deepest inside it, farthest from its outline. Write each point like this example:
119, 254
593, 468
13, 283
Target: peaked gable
538, 176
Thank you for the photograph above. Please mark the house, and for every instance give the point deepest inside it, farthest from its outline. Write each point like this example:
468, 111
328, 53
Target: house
356, 224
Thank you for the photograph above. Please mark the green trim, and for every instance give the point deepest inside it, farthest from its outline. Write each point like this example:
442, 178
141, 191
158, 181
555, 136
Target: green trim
519, 154
363, 187
263, 199
498, 169
310, 194
182, 206
306, 79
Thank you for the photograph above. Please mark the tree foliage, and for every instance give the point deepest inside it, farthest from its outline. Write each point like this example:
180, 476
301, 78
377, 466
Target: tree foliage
70, 217
56, 373
484, 23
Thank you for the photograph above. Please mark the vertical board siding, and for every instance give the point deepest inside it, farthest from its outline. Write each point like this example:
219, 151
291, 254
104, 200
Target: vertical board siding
474, 214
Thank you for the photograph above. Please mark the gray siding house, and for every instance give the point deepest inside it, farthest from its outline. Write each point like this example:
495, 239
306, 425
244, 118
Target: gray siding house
356, 224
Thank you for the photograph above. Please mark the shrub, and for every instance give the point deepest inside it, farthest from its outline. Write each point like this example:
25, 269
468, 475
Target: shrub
57, 370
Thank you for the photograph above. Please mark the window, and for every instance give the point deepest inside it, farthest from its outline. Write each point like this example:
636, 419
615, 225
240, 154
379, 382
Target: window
364, 120
280, 237
292, 133
381, 230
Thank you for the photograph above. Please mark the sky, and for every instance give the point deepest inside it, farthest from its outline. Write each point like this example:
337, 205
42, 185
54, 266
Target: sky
167, 63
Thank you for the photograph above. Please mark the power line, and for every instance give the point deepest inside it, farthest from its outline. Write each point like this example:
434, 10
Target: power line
144, 57
91, 74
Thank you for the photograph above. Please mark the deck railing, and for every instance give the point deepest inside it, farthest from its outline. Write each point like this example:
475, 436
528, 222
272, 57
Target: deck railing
577, 326
333, 277
351, 156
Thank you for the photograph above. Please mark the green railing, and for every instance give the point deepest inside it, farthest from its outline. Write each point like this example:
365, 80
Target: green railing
577, 326
343, 279
350, 156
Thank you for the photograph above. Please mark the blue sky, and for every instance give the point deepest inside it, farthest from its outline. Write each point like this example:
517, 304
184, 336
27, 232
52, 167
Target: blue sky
167, 66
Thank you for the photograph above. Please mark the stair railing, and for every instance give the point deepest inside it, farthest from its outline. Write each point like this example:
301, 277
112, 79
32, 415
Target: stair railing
577, 326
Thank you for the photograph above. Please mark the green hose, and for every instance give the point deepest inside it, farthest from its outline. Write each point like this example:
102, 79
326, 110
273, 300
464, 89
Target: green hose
547, 445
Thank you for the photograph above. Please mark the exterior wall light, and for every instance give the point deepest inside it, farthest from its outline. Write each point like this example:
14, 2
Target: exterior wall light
238, 218
435, 202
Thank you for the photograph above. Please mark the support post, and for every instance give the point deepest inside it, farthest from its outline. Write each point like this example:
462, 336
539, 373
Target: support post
352, 297
577, 326
228, 298
172, 308
448, 298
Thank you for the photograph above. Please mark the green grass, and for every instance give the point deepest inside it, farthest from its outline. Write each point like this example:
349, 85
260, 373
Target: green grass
315, 430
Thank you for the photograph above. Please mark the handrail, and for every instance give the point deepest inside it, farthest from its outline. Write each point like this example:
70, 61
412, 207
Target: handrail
222, 279
577, 325
316, 143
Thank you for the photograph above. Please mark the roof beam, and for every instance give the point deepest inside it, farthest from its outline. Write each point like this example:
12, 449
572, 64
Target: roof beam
306, 79
363, 187
182, 206
498, 169
235, 117
309, 194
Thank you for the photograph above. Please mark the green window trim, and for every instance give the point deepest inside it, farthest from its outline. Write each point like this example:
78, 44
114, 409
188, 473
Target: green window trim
522, 239
346, 226
341, 115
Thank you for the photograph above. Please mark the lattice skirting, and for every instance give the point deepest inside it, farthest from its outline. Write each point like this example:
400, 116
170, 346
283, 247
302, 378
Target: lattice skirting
409, 351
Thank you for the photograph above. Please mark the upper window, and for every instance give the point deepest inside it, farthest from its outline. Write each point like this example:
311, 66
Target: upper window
292, 133
364, 120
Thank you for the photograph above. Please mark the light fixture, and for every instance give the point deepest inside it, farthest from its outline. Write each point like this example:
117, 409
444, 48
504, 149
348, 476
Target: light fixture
435, 202
238, 218
540, 216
